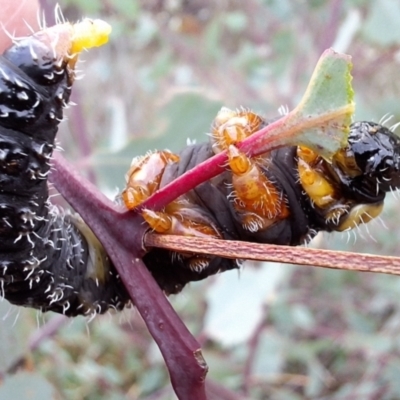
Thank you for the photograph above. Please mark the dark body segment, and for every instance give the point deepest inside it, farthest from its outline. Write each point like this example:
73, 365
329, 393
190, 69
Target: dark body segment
358, 179
46, 258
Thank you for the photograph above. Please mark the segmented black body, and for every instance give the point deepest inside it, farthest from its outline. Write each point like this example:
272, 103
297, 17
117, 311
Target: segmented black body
45, 259
375, 150
213, 197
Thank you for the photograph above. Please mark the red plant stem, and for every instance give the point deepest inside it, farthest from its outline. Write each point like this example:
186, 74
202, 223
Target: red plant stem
121, 234
252, 146
189, 180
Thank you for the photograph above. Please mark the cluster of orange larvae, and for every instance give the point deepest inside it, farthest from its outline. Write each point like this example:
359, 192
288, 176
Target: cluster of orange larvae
256, 199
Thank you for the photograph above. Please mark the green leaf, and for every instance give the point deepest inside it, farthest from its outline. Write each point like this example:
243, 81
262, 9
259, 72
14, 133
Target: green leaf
257, 286
13, 336
327, 106
322, 119
381, 26
185, 116
27, 386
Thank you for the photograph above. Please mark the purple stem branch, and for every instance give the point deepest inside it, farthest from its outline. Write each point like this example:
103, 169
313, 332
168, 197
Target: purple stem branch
121, 234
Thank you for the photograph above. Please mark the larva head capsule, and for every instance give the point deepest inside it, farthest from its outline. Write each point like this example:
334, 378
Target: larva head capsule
46, 54
376, 151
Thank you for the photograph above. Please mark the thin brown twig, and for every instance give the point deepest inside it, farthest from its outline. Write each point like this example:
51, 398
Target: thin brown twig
276, 253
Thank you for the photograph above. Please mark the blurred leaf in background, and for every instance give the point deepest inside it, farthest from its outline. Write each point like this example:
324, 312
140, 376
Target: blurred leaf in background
170, 66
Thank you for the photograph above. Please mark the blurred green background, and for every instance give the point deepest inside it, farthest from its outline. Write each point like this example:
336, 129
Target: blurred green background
271, 331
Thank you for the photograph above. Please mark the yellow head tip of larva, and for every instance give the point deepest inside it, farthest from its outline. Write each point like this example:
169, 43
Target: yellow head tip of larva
89, 33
